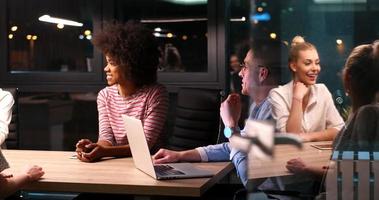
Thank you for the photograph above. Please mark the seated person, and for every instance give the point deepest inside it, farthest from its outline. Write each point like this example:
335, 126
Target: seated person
132, 56
9, 183
362, 85
301, 106
259, 74
6, 103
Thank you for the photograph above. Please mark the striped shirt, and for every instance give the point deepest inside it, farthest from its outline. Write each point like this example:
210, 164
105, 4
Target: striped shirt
149, 104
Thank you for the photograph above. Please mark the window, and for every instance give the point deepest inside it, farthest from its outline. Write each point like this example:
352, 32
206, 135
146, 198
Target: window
50, 41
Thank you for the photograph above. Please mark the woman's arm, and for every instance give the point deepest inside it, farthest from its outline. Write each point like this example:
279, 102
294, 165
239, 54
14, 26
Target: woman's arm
325, 135
298, 166
294, 122
156, 114
295, 116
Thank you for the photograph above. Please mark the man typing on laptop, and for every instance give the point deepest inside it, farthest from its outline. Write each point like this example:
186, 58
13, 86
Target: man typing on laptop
260, 73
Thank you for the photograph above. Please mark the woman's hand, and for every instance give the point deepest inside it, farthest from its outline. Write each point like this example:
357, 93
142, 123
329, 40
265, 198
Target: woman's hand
299, 90
297, 166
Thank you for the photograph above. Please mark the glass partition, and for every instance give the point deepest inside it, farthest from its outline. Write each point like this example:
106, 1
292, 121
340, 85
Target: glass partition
50, 36
181, 28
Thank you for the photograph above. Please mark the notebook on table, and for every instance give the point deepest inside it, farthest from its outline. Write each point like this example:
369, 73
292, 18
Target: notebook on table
143, 161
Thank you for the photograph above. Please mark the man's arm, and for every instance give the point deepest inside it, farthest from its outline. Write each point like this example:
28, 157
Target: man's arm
169, 156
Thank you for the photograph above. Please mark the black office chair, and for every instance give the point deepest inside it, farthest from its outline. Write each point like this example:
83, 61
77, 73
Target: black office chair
12, 142
197, 119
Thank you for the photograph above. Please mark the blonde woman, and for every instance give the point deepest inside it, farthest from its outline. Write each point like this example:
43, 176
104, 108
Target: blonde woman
302, 106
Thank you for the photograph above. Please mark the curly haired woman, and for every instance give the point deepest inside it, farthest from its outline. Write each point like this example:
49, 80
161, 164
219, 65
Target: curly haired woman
132, 57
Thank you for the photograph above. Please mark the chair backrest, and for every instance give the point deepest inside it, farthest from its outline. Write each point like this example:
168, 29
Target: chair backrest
197, 118
12, 142
353, 175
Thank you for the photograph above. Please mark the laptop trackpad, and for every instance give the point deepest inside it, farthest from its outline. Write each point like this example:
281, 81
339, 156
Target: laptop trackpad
188, 170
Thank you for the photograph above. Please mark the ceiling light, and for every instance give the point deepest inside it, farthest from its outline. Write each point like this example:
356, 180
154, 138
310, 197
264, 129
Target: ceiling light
14, 28
60, 26
187, 2
87, 32
56, 20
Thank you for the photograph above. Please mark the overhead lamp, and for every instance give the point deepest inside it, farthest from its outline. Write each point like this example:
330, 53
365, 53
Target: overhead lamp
157, 29
10, 36
273, 35
187, 2
29, 37
242, 19
146, 21
14, 28
87, 32
60, 26
56, 20
339, 41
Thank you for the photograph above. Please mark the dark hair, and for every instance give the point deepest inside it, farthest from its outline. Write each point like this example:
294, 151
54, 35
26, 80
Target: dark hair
362, 69
133, 48
270, 52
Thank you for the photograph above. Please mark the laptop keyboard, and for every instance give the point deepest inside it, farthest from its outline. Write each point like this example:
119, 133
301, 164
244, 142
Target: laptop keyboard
165, 170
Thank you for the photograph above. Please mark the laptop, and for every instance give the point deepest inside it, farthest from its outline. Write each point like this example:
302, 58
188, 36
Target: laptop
143, 161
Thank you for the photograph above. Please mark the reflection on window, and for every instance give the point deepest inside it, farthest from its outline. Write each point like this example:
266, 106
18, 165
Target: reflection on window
50, 36
179, 26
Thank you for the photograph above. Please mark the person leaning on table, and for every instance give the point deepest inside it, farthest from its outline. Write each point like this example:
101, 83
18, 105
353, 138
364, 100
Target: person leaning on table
260, 73
132, 56
302, 106
11, 183
361, 84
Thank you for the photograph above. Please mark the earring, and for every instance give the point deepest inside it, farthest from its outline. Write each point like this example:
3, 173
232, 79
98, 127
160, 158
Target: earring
347, 93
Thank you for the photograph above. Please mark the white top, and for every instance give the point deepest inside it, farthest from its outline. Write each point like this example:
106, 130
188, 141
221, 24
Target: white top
6, 103
320, 113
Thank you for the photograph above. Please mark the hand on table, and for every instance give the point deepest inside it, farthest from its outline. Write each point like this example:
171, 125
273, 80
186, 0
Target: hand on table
34, 172
296, 166
88, 151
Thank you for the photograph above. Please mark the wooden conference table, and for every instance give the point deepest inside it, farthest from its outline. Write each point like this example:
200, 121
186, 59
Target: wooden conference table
276, 167
64, 174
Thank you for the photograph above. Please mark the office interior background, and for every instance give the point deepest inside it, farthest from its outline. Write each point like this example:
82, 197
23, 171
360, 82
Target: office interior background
58, 72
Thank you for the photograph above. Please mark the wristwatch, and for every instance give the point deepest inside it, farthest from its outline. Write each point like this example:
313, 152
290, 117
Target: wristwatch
228, 131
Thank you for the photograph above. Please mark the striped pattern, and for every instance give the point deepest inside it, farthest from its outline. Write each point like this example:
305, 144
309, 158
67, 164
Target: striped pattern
149, 104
